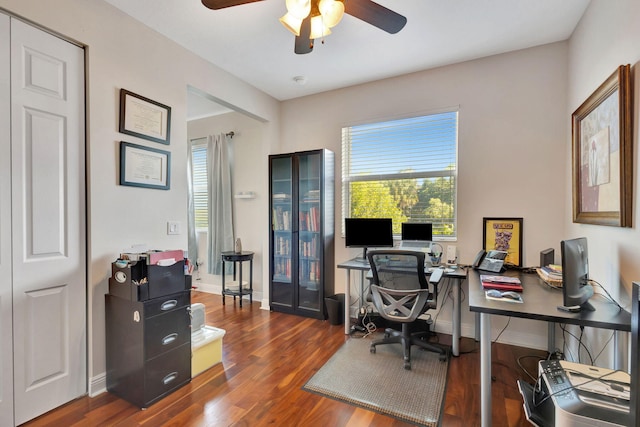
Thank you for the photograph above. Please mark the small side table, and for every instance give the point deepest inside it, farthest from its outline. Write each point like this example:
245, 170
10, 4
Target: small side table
234, 257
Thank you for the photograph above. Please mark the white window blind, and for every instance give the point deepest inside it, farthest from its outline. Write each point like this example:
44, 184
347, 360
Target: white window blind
402, 169
200, 186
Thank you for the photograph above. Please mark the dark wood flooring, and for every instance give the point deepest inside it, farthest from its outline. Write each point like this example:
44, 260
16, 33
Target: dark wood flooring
267, 358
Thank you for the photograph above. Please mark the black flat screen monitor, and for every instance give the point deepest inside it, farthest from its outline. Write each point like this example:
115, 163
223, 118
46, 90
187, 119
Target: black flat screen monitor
576, 289
368, 233
417, 231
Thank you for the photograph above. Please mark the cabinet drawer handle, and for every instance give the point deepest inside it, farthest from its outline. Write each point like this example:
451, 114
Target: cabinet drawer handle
170, 377
168, 305
169, 339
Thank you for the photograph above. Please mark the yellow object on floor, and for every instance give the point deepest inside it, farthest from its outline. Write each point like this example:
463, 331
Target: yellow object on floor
206, 349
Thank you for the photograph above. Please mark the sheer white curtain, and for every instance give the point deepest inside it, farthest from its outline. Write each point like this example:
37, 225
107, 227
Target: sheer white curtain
220, 202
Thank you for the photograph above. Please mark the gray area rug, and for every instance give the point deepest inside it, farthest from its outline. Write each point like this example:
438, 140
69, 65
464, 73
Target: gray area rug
380, 383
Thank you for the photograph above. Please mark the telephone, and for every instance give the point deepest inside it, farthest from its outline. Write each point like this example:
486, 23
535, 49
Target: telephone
492, 261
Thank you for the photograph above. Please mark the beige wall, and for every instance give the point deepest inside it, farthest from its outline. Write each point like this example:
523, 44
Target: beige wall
606, 38
123, 54
511, 156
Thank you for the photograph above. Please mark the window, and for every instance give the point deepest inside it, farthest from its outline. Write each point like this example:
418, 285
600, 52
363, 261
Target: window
200, 186
402, 169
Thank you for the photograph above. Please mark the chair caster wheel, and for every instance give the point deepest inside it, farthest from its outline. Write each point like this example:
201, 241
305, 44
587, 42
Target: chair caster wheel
443, 357
372, 350
407, 366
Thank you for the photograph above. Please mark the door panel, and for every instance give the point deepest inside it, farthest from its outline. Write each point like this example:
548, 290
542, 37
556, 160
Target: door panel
6, 327
48, 221
47, 344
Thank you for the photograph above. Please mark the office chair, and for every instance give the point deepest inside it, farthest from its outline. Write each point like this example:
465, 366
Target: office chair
401, 293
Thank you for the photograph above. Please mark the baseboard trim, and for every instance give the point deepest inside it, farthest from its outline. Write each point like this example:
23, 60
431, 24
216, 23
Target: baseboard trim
98, 385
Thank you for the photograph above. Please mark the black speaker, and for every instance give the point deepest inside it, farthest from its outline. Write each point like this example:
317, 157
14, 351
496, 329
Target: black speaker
547, 257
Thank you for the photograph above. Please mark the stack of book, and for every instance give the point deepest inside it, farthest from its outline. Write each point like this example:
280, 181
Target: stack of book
501, 283
551, 275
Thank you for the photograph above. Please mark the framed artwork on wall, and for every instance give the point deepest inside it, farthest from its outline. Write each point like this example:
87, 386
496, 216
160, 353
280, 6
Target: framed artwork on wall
142, 166
144, 118
602, 154
504, 234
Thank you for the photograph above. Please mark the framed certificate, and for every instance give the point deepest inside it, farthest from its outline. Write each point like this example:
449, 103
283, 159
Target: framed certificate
144, 118
142, 166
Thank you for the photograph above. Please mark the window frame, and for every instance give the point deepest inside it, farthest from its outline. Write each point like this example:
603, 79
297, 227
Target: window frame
452, 173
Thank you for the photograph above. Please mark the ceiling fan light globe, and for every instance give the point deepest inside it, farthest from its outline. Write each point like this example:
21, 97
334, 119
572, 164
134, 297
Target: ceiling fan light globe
299, 8
332, 12
291, 23
318, 28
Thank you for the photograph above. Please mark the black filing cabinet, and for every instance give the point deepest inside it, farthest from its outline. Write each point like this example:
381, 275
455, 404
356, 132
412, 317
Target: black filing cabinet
148, 340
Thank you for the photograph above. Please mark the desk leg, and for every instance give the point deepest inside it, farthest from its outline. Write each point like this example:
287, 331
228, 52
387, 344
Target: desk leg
223, 281
251, 280
551, 337
240, 287
456, 319
620, 342
347, 303
485, 369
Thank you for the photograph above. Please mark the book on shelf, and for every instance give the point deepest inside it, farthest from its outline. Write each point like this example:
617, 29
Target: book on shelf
503, 283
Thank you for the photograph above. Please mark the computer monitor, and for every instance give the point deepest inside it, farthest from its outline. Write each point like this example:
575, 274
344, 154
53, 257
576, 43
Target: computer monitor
417, 231
368, 233
576, 289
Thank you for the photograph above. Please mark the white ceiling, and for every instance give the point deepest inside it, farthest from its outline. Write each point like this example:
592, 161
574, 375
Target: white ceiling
250, 43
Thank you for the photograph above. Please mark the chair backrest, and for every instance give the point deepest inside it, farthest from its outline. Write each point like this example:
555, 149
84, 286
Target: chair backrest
398, 269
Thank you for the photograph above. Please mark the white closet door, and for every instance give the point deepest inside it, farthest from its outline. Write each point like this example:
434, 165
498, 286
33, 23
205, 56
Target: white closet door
6, 340
48, 221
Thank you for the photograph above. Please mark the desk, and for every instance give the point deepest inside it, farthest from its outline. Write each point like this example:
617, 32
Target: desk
238, 258
362, 267
539, 303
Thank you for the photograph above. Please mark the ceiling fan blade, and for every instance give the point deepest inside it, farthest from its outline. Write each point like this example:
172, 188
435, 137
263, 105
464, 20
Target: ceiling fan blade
221, 4
303, 43
375, 14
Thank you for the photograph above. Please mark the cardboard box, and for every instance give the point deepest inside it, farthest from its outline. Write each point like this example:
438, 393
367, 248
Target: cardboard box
206, 349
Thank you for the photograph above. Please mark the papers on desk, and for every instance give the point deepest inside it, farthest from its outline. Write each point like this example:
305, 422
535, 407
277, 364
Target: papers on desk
502, 283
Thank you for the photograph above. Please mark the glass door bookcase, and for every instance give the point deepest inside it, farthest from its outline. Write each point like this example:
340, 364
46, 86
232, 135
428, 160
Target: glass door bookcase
302, 231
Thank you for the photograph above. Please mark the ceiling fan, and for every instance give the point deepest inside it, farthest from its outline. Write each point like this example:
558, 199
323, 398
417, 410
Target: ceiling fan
311, 19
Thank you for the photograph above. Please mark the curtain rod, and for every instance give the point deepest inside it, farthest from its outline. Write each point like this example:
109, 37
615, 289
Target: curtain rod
230, 134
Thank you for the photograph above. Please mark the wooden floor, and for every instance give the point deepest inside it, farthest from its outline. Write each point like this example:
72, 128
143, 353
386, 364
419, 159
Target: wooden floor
268, 357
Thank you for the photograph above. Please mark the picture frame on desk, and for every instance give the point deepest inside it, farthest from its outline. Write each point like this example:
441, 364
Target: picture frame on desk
504, 234
602, 163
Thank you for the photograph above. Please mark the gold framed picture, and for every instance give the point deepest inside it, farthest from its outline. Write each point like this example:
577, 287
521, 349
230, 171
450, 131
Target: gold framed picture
602, 154
504, 234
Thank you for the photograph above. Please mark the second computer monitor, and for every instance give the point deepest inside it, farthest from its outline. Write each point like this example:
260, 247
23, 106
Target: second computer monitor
417, 231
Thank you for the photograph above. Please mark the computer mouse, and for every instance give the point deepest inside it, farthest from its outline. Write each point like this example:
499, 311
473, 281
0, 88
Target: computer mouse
494, 293
511, 294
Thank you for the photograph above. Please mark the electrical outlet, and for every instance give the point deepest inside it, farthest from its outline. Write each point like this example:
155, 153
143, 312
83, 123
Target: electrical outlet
173, 227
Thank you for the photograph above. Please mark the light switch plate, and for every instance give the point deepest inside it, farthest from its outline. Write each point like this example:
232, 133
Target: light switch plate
173, 227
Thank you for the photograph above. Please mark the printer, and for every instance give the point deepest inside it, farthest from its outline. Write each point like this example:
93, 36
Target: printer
574, 394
